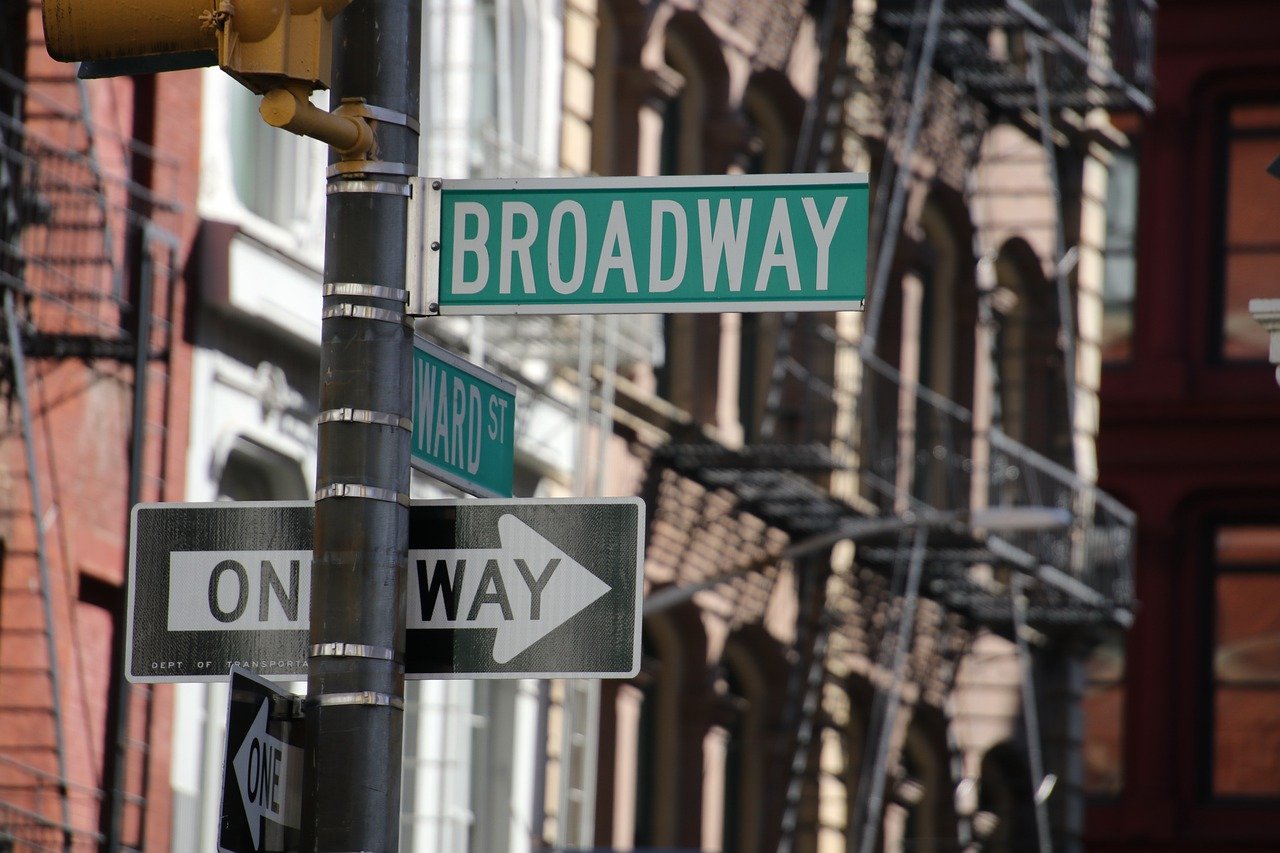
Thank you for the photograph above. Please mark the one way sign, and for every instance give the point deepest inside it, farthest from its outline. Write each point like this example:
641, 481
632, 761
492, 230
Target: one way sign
534, 587
523, 589
262, 769
496, 588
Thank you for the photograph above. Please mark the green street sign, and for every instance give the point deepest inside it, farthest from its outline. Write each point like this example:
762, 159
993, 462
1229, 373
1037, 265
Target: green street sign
463, 422
639, 245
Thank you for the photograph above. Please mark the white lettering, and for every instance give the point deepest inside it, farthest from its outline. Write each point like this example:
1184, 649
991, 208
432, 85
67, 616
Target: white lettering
497, 419
442, 422
473, 430
723, 239
823, 234
615, 252
464, 245
512, 245
426, 377
779, 249
459, 415
665, 207
559, 283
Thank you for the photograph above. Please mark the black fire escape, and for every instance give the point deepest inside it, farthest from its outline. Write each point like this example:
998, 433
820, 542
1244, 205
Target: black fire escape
939, 502
88, 274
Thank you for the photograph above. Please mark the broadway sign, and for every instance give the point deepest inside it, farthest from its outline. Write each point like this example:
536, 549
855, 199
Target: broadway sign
496, 589
639, 245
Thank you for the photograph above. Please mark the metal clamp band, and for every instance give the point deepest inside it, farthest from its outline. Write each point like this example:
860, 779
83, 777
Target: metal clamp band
364, 416
379, 187
371, 167
359, 490
373, 291
390, 116
365, 312
363, 697
353, 650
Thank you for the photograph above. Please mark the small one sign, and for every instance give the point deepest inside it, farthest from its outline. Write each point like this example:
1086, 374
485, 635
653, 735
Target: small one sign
709, 243
463, 422
496, 589
262, 768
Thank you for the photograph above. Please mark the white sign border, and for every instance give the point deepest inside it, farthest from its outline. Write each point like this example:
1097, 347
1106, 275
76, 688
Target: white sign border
424, 284
638, 603
635, 500
444, 475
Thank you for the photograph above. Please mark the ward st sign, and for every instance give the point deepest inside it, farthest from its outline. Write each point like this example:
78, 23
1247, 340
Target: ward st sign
463, 422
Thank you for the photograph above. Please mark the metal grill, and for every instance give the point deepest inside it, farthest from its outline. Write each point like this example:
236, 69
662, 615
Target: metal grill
1095, 60
72, 221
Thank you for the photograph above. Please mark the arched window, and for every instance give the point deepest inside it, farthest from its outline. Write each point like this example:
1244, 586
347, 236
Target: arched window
253, 472
624, 93
694, 80
652, 786
929, 327
950, 298
743, 706
772, 113
1030, 374
920, 813
1005, 821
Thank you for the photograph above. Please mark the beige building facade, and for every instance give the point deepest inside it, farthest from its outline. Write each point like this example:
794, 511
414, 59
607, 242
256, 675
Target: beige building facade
817, 483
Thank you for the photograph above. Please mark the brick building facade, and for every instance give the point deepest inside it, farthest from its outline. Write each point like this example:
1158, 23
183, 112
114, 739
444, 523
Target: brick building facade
98, 181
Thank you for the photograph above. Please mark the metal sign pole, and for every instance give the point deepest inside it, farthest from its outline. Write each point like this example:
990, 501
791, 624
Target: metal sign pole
355, 689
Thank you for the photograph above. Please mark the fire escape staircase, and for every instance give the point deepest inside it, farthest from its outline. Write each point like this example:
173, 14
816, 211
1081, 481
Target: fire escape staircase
906, 497
76, 235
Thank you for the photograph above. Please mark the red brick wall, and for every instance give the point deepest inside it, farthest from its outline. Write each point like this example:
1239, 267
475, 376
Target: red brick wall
81, 417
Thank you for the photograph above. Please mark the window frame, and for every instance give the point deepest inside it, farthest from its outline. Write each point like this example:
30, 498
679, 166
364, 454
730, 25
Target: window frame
1206, 746
1224, 135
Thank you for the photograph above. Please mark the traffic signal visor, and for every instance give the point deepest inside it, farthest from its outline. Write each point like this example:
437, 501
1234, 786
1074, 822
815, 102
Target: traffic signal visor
265, 44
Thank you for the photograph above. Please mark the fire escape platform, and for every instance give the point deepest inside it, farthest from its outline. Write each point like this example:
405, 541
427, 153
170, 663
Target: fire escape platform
966, 570
1089, 64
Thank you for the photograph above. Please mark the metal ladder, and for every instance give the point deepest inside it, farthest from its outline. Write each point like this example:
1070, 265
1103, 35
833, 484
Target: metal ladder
65, 276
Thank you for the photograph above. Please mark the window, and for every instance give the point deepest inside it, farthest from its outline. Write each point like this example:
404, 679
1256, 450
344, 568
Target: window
510, 90
1005, 820
1245, 662
689, 374
742, 702
254, 473
772, 112
1030, 372
1103, 708
1250, 239
919, 810
278, 176
1119, 264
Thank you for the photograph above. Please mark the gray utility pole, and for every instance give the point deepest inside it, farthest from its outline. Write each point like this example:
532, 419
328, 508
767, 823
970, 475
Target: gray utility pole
355, 687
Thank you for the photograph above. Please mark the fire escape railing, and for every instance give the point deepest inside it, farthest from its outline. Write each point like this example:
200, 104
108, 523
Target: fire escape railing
89, 271
918, 451
1096, 58
27, 799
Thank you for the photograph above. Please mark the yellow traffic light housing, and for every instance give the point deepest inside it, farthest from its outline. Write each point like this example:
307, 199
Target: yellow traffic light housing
265, 44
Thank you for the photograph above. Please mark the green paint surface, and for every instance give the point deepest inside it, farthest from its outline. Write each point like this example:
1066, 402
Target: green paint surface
597, 245
463, 424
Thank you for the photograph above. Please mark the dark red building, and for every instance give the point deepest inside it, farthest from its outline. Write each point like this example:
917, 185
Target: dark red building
1189, 439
